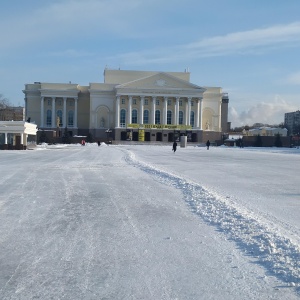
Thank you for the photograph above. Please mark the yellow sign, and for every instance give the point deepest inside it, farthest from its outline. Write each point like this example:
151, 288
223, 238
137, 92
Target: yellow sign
141, 135
158, 126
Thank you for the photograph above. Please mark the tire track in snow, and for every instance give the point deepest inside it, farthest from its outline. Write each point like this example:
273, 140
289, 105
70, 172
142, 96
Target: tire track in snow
276, 253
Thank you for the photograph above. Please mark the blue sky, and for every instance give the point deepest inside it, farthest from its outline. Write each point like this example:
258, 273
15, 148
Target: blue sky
249, 48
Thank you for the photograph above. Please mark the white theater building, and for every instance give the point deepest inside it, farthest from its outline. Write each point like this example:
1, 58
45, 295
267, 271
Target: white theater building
130, 105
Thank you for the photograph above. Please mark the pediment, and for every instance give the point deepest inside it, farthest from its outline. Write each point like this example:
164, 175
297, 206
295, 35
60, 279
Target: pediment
162, 81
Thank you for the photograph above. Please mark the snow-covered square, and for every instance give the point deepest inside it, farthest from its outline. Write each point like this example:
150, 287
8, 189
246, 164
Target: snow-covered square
142, 222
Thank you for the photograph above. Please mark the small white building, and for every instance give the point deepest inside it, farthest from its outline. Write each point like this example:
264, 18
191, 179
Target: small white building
265, 131
15, 134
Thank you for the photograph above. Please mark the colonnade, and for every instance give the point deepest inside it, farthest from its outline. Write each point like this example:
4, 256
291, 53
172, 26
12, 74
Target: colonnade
187, 108
54, 112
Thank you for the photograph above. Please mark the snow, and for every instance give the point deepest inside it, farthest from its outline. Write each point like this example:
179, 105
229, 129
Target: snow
141, 222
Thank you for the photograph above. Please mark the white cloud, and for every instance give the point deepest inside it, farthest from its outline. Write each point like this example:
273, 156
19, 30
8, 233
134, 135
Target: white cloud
293, 79
264, 112
256, 41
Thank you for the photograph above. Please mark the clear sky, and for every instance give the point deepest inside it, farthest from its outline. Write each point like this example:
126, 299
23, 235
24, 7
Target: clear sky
249, 48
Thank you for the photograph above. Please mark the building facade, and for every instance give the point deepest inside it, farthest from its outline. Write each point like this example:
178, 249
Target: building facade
131, 105
265, 131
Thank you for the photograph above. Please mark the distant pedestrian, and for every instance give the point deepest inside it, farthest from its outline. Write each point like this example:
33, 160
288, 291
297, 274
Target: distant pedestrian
207, 144
99, 143
174, 146
83, 142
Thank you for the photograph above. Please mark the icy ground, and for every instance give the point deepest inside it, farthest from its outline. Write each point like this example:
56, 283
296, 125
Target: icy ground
140, 222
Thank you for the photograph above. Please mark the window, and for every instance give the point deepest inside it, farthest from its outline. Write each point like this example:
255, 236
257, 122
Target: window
157, 117
134, 116
122, 117
146, 116
169, 117
71, 118
48, 119
169, 102
146, 101
49, 102
59, 102
192, 103
157, 102
180, 102
180, 117
71, 103
59, 115
122, 101
134, 101
192, 119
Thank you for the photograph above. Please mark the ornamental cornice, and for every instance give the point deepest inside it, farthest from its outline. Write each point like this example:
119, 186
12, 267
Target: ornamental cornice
59, 93
160, 93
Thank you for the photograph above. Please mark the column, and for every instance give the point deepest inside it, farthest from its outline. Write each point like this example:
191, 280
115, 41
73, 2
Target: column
117, 123
153, 110
22, 138
177, 110
186, 114
5, 138
129, 114
53, 123
75, 113
42, 112
64, 120
141, 119
189, 111
220, 114
197, 113
165, 110
201, 111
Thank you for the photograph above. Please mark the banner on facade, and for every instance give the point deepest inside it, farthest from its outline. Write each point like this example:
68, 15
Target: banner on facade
158, 126
129, 135
141, 135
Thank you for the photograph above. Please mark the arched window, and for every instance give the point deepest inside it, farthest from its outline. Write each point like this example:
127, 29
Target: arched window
122, 118
59, 114
146, 116
134, 116
169, 117
157, 117
48, 119
70, 118
180, 117
192, 119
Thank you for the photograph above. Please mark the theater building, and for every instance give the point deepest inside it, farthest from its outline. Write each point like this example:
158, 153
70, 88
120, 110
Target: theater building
130, 105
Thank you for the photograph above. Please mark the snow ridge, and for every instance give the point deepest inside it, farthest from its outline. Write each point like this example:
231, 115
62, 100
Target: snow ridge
279, 255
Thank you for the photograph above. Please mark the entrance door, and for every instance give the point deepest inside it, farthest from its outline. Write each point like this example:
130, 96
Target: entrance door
147, 136
158, 136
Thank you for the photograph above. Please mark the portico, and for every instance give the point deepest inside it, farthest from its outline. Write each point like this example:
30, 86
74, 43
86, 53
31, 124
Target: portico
15, 134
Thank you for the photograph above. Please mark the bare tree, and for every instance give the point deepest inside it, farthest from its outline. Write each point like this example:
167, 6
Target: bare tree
4, 102
6, 111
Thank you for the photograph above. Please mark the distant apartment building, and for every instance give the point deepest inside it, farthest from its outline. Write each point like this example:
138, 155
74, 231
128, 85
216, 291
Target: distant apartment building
12, 113
292, 122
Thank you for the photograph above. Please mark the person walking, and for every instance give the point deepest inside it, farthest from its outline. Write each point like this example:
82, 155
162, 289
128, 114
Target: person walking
174, 146
207, 144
